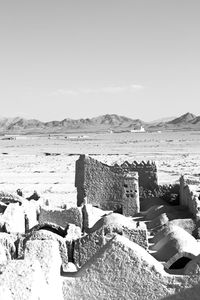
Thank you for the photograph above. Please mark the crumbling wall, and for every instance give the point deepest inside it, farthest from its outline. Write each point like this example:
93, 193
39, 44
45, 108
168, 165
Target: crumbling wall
24, 280
31, 209
61, 217
189, 198
47, 253
123, 270
87, 246
103, 186
147, 172
138, 236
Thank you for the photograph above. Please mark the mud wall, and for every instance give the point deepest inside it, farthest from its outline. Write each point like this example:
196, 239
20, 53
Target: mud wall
61, 217
147, 172
105, 188
189, 198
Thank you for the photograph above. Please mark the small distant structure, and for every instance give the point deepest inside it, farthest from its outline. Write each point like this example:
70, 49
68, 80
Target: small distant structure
141, 129
9, 138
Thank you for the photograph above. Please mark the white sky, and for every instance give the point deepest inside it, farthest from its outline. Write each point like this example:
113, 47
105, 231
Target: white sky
138, 58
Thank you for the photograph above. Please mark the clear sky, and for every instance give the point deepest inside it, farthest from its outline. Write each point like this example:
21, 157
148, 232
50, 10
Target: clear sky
83, 58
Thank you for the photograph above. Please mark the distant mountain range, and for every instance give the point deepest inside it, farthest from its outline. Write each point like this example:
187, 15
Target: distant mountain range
108, 122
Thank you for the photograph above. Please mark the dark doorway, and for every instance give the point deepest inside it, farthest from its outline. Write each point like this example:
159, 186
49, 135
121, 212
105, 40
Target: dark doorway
180, 263
118, 209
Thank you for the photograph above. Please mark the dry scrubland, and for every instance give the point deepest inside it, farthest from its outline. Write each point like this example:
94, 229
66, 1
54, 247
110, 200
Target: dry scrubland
25, 162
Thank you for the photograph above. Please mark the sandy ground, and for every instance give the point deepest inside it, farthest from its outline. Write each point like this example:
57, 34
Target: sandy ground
24, 164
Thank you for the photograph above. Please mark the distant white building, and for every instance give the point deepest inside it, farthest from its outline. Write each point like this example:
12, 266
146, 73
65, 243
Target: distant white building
141, 129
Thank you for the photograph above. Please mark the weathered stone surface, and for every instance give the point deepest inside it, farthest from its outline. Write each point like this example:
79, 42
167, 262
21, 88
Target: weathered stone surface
45, 231
116, 223
124, 270
193, 267
138, 236
3, 256
105, 188
87, 246
91, 215
47, 253
73, 233
104, 230
95, 180
189, 198
61, 217
61, 231
7, 242
46, 236
131, 202
147, 172
31, 209
24, 280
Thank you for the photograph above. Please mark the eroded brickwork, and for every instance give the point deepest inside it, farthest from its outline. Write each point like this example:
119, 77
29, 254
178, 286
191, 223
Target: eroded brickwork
104, 187
147, 172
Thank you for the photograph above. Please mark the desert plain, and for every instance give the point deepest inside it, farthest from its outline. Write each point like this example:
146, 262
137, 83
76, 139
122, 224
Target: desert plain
46, 163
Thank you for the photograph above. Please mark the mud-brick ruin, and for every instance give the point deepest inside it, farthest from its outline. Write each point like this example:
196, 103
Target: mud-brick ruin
113, 187
116, 243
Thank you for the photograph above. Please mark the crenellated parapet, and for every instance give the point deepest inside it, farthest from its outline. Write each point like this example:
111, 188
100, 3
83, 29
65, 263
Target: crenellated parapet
147, 172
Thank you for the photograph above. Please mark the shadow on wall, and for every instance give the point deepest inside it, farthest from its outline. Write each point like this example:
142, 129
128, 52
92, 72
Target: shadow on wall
180, 263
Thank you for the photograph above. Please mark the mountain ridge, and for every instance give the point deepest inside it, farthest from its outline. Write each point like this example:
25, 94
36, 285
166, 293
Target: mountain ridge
108, 121
188, 117
101, 123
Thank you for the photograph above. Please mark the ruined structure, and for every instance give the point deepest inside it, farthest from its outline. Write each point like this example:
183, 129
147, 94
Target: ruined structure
61, 217
189, 198
105, 187
147, 172
89, 253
